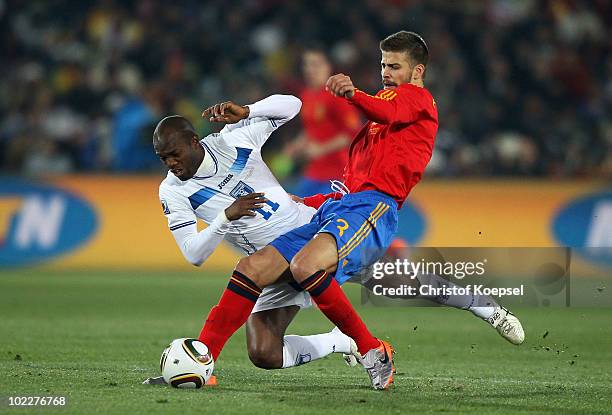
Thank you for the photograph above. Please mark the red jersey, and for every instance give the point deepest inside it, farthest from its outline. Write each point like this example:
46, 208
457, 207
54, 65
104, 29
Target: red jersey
391, 151
324, 117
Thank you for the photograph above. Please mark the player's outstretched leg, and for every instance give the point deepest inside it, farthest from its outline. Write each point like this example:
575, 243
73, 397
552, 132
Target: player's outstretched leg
237, 301
270, 348
482, 306
310, 267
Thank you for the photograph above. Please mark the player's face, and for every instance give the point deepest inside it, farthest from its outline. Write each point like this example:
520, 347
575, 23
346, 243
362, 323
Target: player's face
180, 157
395, 69
316, 69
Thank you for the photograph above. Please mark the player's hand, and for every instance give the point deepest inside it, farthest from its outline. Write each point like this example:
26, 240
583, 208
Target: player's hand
296, 199
340, 85
227, 112
245, 206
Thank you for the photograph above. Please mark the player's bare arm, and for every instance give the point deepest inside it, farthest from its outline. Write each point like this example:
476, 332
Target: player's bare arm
226, 112
340, 85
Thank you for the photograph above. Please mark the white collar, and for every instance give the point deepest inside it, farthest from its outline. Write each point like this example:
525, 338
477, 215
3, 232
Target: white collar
208, 167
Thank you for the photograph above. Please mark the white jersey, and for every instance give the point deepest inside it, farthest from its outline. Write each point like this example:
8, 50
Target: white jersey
233, 167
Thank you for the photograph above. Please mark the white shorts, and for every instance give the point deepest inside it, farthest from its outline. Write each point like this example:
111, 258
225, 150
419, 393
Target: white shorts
281, 295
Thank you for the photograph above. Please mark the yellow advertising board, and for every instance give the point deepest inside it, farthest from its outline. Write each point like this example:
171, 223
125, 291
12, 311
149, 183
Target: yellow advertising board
495, 213
116, 222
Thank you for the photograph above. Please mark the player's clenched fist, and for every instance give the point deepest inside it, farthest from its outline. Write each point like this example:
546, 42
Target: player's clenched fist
245, 206
340, 85
227, 112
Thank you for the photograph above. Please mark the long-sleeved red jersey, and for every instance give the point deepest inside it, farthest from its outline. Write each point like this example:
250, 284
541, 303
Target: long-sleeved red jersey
390, 153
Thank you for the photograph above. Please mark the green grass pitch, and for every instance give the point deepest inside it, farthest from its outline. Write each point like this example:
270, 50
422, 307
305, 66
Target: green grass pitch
94, 337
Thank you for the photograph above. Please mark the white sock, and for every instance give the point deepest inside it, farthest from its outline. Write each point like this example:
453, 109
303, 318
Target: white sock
483, 312
298, 350
481, 306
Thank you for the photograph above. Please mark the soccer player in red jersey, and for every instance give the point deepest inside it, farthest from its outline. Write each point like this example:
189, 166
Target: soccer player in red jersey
328, 122
349, 232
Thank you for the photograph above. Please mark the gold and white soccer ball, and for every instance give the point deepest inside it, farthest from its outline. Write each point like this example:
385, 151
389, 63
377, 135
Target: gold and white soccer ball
186, 363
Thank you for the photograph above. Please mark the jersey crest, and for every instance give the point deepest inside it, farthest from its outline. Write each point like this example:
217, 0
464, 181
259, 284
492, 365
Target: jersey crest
241, 189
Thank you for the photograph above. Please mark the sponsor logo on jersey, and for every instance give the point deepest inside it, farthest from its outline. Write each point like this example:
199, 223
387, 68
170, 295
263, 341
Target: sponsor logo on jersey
39, 222
586, 224
225, 181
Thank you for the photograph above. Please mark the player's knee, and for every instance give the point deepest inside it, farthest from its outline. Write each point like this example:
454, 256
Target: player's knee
250, 267
262, 267
319, 254
265, 356
301, 268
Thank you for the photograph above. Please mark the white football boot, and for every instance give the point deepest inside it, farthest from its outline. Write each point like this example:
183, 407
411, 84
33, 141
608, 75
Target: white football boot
378, 363
507, 325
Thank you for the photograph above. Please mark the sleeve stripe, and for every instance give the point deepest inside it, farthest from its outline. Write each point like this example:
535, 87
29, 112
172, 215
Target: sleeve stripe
182, 225
273, 124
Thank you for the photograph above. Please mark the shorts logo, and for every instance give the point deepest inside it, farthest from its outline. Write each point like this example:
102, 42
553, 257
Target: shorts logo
303, 358
241, 189
165, 207
344, 226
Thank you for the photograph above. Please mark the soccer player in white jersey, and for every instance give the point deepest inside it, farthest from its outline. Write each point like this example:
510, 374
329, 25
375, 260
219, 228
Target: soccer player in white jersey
221, 180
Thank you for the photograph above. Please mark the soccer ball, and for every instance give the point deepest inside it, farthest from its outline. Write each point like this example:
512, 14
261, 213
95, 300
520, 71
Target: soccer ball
186, 363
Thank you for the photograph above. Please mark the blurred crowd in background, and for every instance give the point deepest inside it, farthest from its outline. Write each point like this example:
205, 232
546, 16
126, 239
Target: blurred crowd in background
523, 87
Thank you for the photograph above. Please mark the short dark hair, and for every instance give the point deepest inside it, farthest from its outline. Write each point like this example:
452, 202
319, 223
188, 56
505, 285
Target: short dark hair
410, 42
174, 127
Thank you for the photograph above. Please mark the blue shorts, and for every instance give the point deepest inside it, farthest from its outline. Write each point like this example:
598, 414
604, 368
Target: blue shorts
363, 224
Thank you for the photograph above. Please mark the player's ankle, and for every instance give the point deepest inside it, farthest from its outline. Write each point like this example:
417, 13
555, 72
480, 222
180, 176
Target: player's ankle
367, 344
